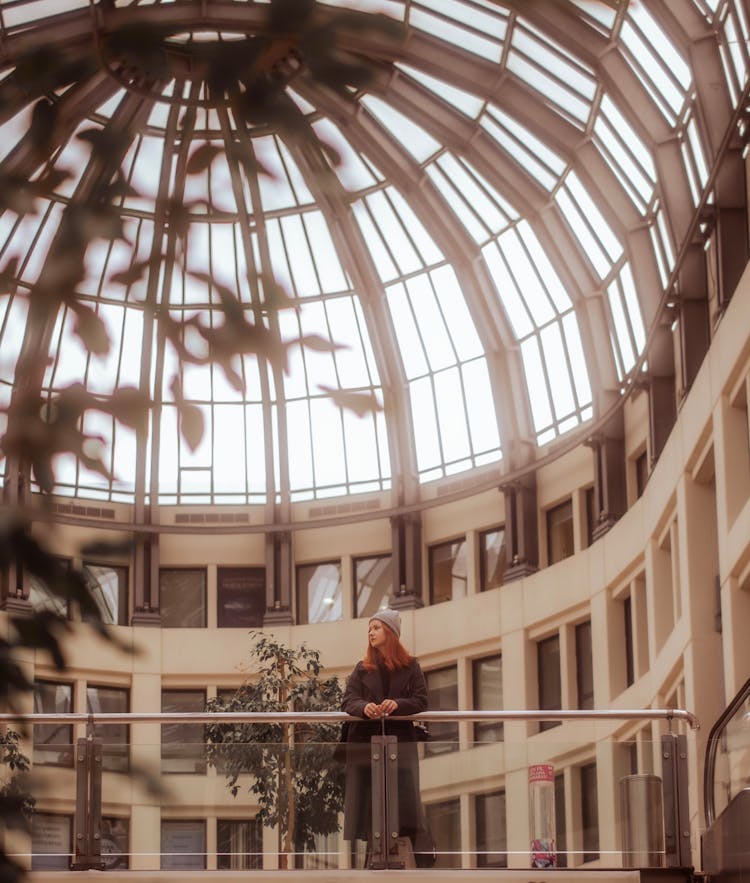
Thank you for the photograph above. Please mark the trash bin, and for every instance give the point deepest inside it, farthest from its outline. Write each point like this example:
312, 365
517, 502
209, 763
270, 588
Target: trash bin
642, 814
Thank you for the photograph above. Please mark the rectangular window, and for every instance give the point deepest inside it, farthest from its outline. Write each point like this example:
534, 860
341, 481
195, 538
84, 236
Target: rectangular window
53, 743
493, 558
627, 612
589, 813
444, 819
115, 737
115, 843
109, 588
641, 473
548, 674
183, 845
319, 592
561, 837
51, 841
183, 745
442, 695
447, 571
487, 680
239, 845
373, 584
241, 597
323, 857
560, 532
492, 838
584, 666
592, 515
182, 598
43, 597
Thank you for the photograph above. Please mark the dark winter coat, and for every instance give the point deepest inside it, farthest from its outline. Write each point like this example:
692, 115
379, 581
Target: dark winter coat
409, 689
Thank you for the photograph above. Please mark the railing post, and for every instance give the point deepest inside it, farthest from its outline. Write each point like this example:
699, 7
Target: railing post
385, 822
88, 818
676, 808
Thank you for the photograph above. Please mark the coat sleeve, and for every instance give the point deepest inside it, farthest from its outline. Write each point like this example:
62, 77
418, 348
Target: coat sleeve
355, 697
415, 699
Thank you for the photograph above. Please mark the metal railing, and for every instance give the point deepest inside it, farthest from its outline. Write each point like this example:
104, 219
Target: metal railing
88, 764
669, 715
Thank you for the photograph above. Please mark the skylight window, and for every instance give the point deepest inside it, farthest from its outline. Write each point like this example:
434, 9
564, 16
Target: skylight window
410, 136
733, 57
524, 147
568, 86
465, 102
531, 293
465, 24
479, 207
353, 173
630, 334
587, 222
625, 153
656, 62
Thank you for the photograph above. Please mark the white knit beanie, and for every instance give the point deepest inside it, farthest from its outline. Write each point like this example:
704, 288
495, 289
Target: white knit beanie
391, 618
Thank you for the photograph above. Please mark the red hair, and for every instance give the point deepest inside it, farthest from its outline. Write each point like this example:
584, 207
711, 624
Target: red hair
393, 654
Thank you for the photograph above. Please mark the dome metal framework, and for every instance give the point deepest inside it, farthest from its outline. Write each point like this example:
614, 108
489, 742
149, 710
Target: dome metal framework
458, 237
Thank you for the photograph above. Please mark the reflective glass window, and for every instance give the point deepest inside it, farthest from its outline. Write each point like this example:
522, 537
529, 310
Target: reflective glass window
319, 592
182, 598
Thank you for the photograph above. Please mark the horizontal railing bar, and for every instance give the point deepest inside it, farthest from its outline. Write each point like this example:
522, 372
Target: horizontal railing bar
262, 717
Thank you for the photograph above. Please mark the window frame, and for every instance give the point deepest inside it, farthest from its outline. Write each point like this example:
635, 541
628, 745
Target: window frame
482, 855
557, 549
338, 600
483, 556
461, 545
198, 570
223, 620
356, 561
443, 734
200, 764
40, 729
486, 727
547, 701
584, 667
110, 754
123, 597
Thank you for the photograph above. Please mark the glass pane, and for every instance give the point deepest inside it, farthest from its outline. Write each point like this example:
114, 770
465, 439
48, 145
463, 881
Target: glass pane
494, 558
182, 598
241, 597
53, 743
239, 844
560, 540
183, 844
51, 841
442, 695
549, 678
115, 737
115, 843
492, 837
319, 592
109, 588
487, 678
447, 571
373, 584
182, 744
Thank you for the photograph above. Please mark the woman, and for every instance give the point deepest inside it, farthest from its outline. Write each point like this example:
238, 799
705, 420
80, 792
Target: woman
387, 682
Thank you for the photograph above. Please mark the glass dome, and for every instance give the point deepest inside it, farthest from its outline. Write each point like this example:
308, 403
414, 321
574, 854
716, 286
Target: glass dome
443, 240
